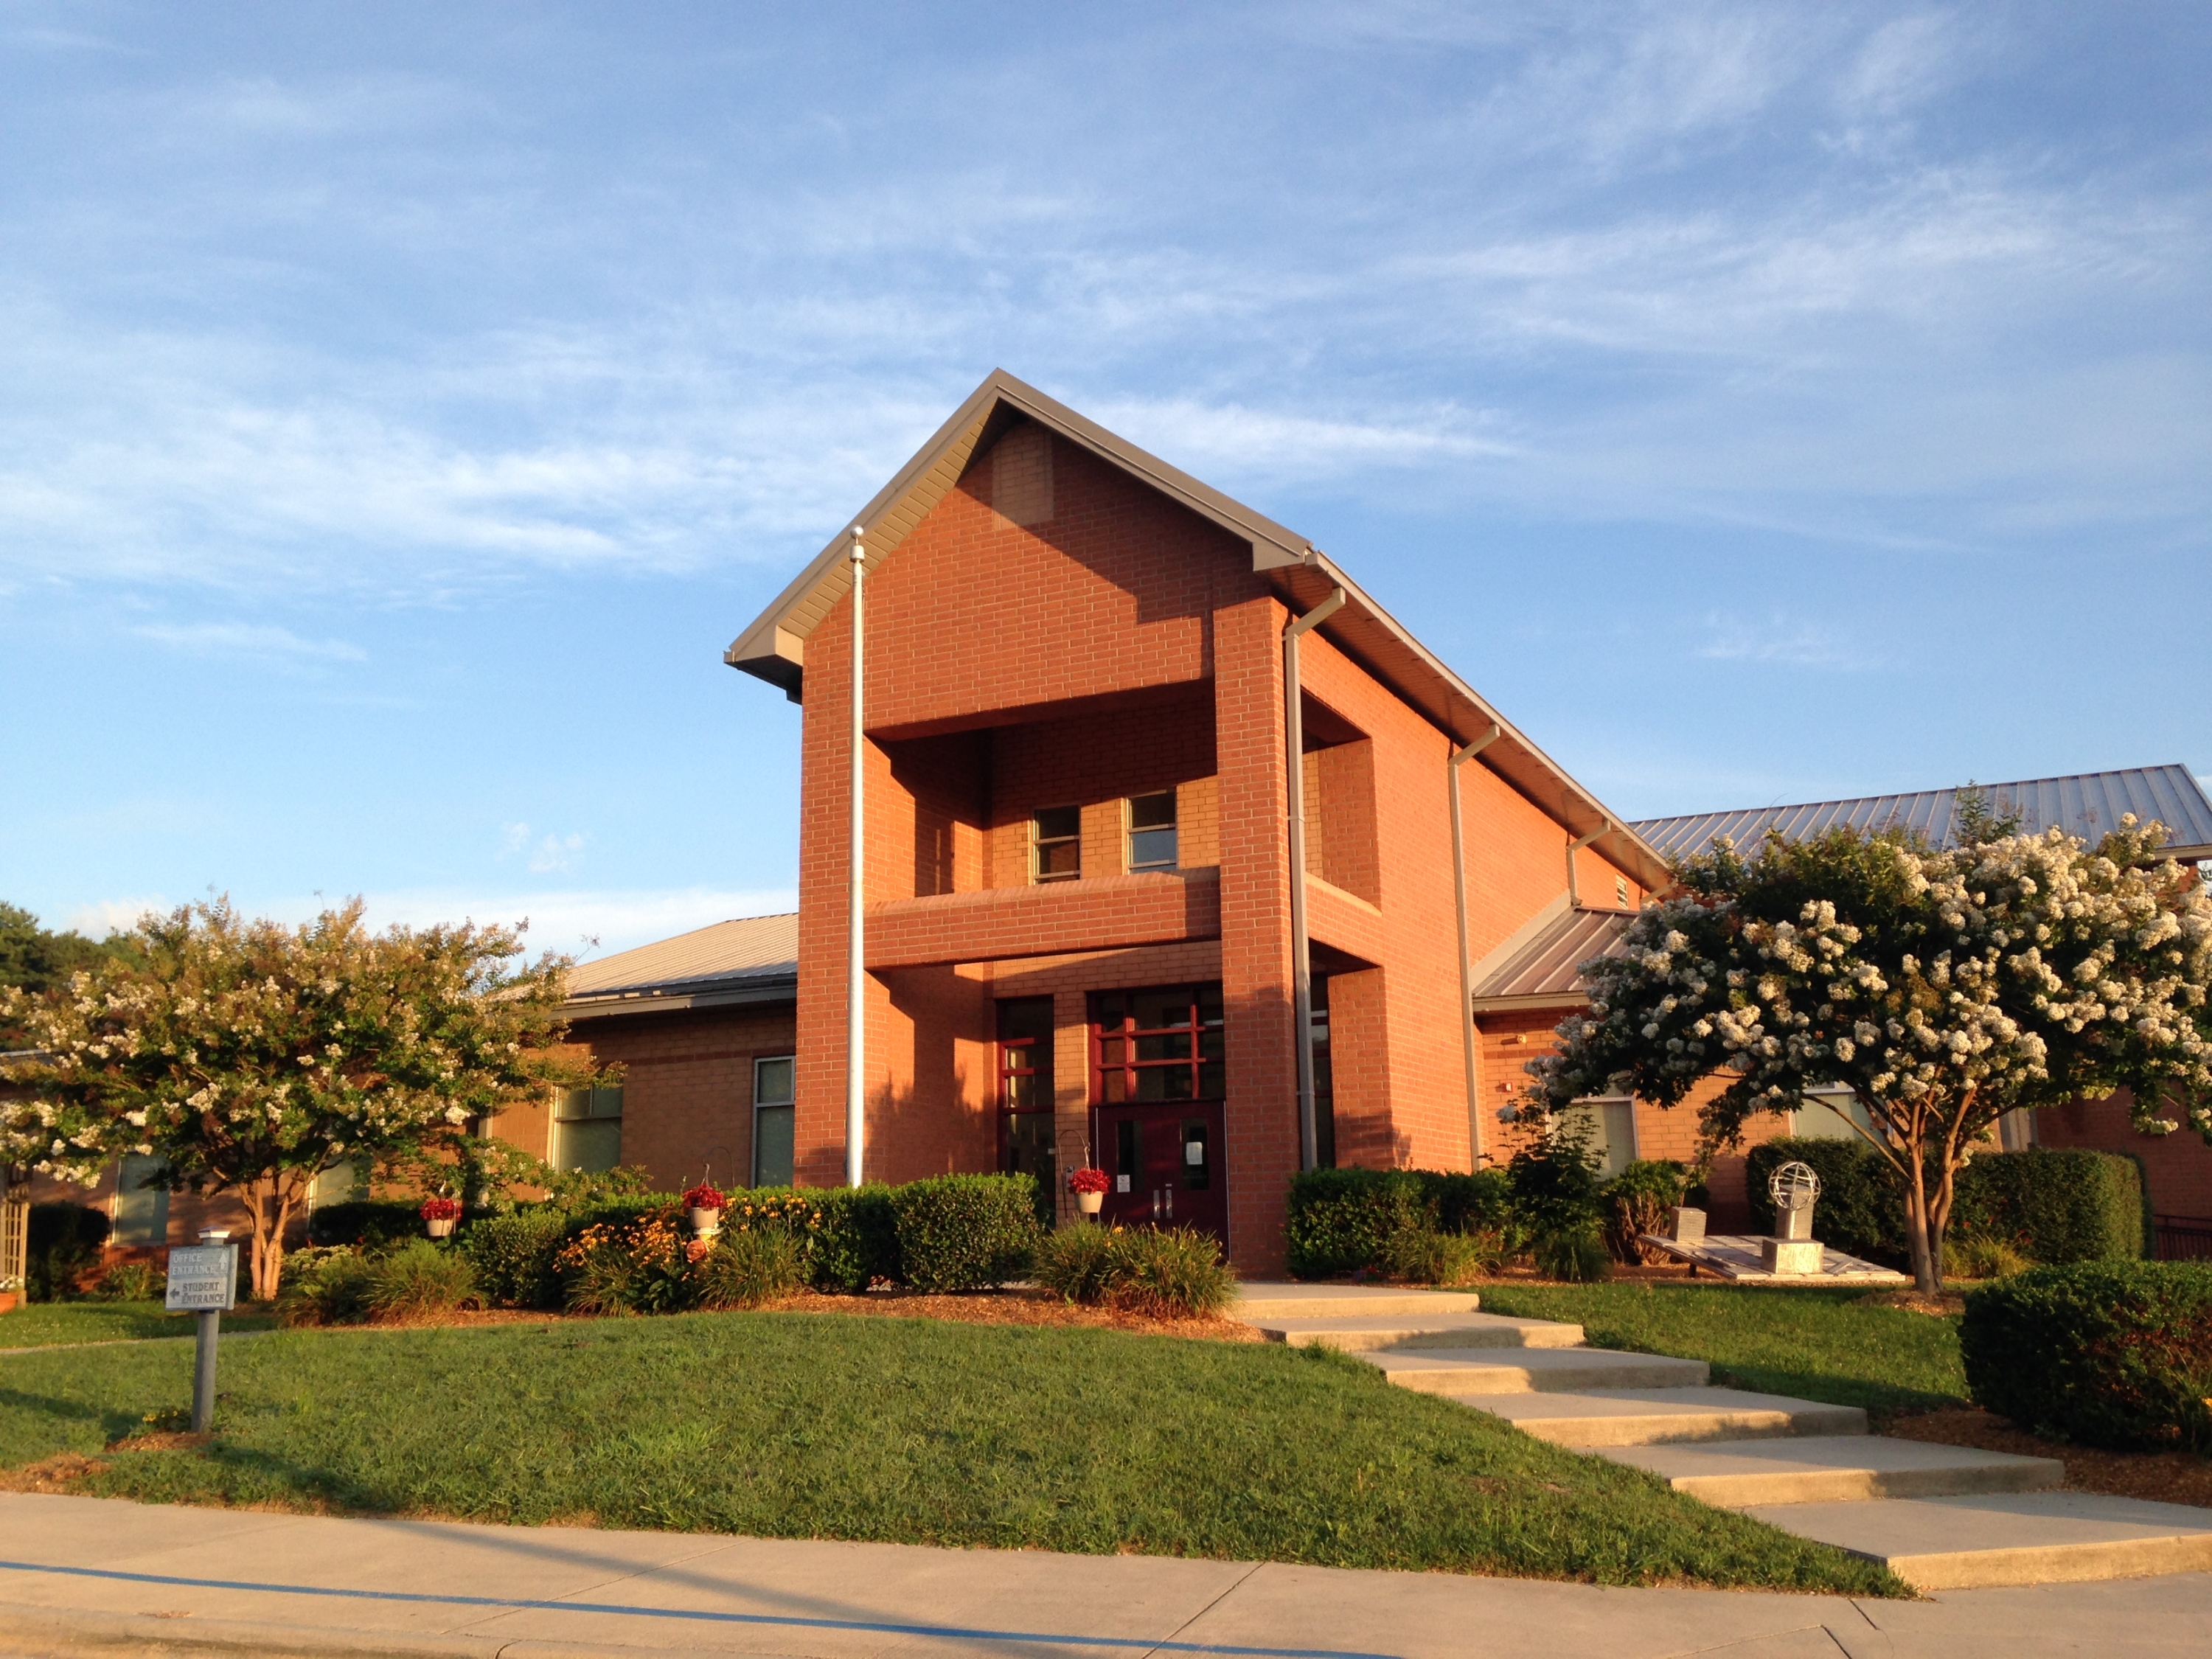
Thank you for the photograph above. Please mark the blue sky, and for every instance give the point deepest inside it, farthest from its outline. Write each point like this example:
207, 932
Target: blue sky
401, 406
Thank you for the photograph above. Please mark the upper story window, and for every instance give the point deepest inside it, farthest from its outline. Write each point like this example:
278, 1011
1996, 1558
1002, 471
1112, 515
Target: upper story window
1056, 833
1163, 1044
1152, 831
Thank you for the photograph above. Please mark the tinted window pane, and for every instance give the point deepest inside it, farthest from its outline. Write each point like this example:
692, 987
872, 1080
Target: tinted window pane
1060, 860
1173, 1046
774, 1081
1153, 849
593, 1145
772, 1144
1026, 1017
1212, 1082
1053, 822
1156, 1009
1152, 811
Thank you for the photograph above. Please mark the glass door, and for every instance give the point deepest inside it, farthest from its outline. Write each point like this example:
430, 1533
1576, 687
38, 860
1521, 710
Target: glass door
1158, 1080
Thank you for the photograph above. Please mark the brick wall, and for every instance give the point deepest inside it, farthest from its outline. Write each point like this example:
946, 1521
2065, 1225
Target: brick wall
2178, 1168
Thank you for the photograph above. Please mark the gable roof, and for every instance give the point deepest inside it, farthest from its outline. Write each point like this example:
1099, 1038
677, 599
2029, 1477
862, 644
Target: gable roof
773, 646
2086, 804
751, 959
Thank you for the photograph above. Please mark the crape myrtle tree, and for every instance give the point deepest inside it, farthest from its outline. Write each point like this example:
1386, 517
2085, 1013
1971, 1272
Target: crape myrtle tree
1943, 987
250, 1056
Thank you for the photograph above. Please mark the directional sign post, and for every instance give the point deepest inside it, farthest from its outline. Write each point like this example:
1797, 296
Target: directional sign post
204, 1280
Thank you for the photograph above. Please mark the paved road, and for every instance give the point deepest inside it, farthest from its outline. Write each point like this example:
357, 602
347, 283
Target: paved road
83, 1576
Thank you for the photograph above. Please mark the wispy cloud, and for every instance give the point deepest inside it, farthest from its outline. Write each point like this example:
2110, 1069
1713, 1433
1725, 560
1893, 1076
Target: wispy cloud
248, 639
103, 916
1780, 643
542, 854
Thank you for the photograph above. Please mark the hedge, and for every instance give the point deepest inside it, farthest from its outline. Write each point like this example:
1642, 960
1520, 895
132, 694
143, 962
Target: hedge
1343, 1220
371, 1223
2054, 1205
966, 1232
2107, 1354
64, 1241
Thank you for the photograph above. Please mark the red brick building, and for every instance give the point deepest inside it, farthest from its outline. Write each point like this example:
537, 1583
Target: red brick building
1078, 838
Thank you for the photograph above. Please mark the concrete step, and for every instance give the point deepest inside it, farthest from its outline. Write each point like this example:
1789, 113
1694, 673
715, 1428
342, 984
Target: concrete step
1655, 1417
1835, 1468
1471, 1373
1371, 1332
2026, 1538
1279, 1300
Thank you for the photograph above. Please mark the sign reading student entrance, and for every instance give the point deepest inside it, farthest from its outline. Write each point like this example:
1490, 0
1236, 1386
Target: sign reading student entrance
202, 1278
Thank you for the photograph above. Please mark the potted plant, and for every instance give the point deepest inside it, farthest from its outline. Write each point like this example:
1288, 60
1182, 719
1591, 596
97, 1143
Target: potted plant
1090, 1187
11, 1295
438, 1215
706, 1203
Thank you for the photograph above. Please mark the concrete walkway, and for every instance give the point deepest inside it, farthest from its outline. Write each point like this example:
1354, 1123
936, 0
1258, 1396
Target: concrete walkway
83, 1576
1941, 1518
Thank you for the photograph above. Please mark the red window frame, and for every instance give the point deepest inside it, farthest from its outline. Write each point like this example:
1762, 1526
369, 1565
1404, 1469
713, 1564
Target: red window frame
1018, 1069
1161, 1044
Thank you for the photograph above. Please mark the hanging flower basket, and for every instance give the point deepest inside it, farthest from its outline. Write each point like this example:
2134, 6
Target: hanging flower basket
438, 1215
706, 1203
1090, 1187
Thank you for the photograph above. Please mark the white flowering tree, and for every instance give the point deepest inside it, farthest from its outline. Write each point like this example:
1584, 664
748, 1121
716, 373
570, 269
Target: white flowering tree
249, 1056
1945, 988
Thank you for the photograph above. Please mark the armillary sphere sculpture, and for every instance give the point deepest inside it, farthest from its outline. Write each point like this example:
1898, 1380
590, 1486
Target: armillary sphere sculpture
1794, 1187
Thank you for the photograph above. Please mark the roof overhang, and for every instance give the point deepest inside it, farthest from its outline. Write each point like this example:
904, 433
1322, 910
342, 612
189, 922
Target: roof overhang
773, 646
680, 998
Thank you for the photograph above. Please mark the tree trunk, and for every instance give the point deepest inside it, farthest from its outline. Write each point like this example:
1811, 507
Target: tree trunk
1927, 1266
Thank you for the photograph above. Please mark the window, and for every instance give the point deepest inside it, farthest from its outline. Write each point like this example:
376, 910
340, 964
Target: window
775, 1087
141, 1204
1324, 1079
587, 1129
1157, 1045
1057, 833
1027, 1140
1152, 831
1611, 1119
1828, 1114
335, 1185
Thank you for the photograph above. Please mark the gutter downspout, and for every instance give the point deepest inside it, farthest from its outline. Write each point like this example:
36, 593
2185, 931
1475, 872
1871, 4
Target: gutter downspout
856, 1019
1301, 947
1466, 960
1574, 891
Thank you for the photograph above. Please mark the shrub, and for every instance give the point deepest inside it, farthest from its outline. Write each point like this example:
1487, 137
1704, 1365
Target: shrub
419, 1278
1555, 1187
130, 1281
626, 1265
1983, 1258
1861, 1209
855, 1238
1083, 1263
1172, 1273
63, 1245
1637, 1201
374, 1224
966, 1232
1342, 1221
324, 1284
1574, 1255
2108, 1354
1481, 1202
749, 1267
1421, 1255
2054, 1205
515, 1256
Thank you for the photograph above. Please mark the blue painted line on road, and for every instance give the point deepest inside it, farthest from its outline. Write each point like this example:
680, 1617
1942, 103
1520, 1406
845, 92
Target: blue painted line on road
949, 1633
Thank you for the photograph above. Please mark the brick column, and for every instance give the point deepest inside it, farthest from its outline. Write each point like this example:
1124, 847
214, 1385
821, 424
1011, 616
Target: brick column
1256, 928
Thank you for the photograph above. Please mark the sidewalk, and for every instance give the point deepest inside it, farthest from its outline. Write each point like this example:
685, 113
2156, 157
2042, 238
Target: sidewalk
88, 1576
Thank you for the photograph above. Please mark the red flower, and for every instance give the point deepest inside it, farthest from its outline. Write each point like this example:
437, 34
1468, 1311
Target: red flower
440, 1209
705, 1196
1089, 1181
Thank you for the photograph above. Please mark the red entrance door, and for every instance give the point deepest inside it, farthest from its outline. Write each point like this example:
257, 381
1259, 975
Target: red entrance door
1157, 1085
1166, 1166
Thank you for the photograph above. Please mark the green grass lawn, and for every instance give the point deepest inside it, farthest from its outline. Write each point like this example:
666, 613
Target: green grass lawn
1817, 1344
904, 1430
49, 1324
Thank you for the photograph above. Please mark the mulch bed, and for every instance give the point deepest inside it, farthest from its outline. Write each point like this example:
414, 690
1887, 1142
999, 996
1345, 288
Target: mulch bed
2174, 1477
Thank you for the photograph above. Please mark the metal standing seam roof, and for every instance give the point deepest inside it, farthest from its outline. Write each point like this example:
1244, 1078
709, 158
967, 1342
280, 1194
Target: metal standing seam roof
773, 646
1539, 968
751, 959
2087, 804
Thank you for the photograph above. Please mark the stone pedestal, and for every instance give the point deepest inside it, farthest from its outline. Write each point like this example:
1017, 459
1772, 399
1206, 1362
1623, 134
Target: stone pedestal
1790, 1255
1688, 1226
